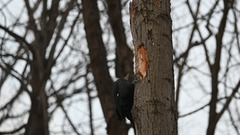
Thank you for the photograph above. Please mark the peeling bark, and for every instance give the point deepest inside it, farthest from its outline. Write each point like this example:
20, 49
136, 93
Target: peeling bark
142, 62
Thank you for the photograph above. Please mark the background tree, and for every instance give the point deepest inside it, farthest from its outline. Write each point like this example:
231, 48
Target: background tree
99, 66
51, 78
206, 64
37, 52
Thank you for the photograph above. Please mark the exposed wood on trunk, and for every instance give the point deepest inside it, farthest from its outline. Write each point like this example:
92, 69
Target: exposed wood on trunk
142, 62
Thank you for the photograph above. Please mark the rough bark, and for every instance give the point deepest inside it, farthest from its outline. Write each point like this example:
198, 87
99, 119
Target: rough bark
99, 66
124, 55
154, 108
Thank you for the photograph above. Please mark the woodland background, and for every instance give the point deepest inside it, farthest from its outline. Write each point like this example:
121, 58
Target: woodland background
44, 48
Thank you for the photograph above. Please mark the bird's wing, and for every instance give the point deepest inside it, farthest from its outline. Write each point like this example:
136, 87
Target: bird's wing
116, 96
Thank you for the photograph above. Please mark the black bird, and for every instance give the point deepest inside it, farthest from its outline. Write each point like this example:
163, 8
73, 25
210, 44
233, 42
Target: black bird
123, 91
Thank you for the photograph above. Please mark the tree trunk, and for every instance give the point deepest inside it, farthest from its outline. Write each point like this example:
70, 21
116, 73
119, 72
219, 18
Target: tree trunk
124, 55
38, 120
38, 117
99, 67
154, 110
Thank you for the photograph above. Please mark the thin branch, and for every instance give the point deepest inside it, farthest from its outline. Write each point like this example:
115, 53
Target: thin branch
69, 120
232, 121
190, 113
14, 131
32, 25
21, 80
52, 21
185, 54
51, 59
236, 28
71, 31
13, 99
17, 37
229, 99
209, 14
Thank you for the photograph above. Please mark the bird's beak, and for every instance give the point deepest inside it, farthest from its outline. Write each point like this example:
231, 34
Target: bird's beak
127, 76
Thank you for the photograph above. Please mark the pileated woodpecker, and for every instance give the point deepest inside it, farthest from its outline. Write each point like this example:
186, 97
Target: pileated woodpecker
123, 91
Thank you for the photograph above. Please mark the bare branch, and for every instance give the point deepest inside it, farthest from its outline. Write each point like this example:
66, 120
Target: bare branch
51, 59
14, 131
69, 120
187, 114
18, 38
32, 25
229, 99
233, 122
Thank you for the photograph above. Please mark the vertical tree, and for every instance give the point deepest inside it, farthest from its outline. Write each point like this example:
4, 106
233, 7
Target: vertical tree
124, 55
39, 45
154, 105
214, 67
102, 78
50, 29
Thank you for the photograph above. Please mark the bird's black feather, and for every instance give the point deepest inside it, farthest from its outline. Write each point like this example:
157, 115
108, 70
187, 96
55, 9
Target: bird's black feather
123, 91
